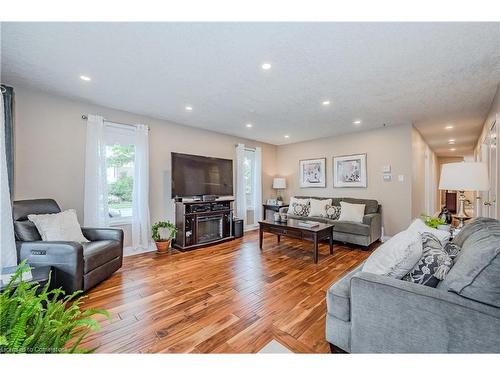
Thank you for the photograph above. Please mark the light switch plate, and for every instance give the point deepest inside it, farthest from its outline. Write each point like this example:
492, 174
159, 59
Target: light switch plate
386, 169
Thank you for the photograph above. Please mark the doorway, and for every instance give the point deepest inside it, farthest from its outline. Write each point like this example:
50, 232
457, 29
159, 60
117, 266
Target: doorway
486, 203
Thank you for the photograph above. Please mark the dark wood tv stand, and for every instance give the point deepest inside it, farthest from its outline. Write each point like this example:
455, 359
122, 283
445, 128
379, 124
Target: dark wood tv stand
203, 223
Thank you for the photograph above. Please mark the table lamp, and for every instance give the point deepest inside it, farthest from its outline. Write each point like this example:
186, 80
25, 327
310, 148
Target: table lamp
465, 176
279, 183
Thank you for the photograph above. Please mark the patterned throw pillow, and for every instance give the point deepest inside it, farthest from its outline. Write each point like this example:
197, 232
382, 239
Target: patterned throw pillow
452, 249
434, 264
332, 212
300, 209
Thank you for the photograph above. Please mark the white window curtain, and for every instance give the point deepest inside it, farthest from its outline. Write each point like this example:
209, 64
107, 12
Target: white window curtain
8, 254
141, 225
241, 206
96, 195
257, 185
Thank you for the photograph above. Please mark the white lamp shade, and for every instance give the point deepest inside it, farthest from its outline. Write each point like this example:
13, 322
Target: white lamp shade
279, 183
468, 176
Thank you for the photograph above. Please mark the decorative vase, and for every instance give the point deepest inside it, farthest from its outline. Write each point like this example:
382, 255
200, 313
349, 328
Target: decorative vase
445, 215
162, 246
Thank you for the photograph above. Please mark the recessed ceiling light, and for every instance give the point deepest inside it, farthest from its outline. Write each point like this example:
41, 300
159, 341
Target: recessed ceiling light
85, 78
188, 108
356, 122
248, 125
449, 127
326, 102
266, 66
452, 149
451, 142
287, 136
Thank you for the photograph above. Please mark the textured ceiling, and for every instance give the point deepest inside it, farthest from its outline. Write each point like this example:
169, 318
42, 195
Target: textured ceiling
428, 74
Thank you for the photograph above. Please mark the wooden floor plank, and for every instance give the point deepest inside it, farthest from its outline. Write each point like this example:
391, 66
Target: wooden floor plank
227, 298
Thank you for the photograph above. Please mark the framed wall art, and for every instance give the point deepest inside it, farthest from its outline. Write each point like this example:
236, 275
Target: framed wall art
349, 171
312, 173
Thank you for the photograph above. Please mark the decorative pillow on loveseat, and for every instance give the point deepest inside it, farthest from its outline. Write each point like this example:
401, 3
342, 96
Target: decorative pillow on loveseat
332, 212
352, 212
318, 206
299, 206
433, 265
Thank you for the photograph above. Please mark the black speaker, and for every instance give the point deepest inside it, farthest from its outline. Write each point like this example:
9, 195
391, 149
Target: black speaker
237, 228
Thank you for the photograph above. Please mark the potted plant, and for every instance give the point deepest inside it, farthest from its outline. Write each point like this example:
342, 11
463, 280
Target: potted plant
435, 222
39, 320
163, 243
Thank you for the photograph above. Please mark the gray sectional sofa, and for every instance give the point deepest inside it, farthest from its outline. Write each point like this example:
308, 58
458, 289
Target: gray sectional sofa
363, 234
368, 313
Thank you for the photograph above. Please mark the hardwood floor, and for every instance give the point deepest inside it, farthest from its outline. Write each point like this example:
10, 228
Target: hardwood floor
228, 298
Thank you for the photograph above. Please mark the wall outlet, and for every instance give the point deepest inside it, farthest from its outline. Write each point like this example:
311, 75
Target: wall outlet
386, 169
401, 178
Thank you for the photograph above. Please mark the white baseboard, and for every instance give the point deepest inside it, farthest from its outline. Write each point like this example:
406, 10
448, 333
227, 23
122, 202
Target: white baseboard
129, 250
385, 238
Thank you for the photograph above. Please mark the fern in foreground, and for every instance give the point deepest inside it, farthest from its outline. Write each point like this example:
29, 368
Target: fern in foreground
43, 321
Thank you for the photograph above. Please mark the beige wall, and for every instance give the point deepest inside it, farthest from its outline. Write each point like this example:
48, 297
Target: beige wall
50, 157
50, 150
423, 159
418, 173
385, 146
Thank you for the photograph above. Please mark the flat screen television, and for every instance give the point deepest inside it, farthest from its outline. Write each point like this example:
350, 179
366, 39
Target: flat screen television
201, 175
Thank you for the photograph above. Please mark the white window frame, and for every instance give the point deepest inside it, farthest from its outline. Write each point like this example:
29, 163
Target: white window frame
252, 206
123, 135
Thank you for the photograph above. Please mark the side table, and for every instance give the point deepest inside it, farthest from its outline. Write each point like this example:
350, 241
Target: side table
273, 208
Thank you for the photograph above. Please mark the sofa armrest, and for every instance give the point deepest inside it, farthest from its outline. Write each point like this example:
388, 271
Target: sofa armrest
375, 223
96, 234
66, 258
395, 316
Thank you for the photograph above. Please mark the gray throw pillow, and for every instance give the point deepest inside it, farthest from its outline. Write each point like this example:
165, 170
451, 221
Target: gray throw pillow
300, 209
434, 264
475, 274
332, 212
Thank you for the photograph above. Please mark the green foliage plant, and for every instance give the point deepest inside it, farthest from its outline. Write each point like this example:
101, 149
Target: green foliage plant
431, 221
39, 320
155, 229
122, 187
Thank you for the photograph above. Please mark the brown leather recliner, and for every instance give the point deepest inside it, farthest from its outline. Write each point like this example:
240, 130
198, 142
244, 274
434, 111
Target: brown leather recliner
76, 266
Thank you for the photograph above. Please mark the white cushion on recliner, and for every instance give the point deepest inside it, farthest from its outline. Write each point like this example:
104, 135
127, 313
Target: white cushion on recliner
62, 226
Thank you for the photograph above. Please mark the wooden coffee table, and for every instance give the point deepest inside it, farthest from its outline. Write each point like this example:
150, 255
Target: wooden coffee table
291, 228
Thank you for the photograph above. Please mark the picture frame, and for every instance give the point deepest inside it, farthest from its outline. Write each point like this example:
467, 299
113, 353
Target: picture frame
350, 171
312, 173
272, 202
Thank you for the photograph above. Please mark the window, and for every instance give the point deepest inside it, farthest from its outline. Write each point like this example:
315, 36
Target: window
120, 155
249, 174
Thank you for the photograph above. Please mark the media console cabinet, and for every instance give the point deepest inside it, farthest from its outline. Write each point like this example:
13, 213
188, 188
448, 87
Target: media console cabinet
203, 223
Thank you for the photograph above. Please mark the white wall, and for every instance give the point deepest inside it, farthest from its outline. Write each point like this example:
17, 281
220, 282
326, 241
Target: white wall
493, 115
50, 150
